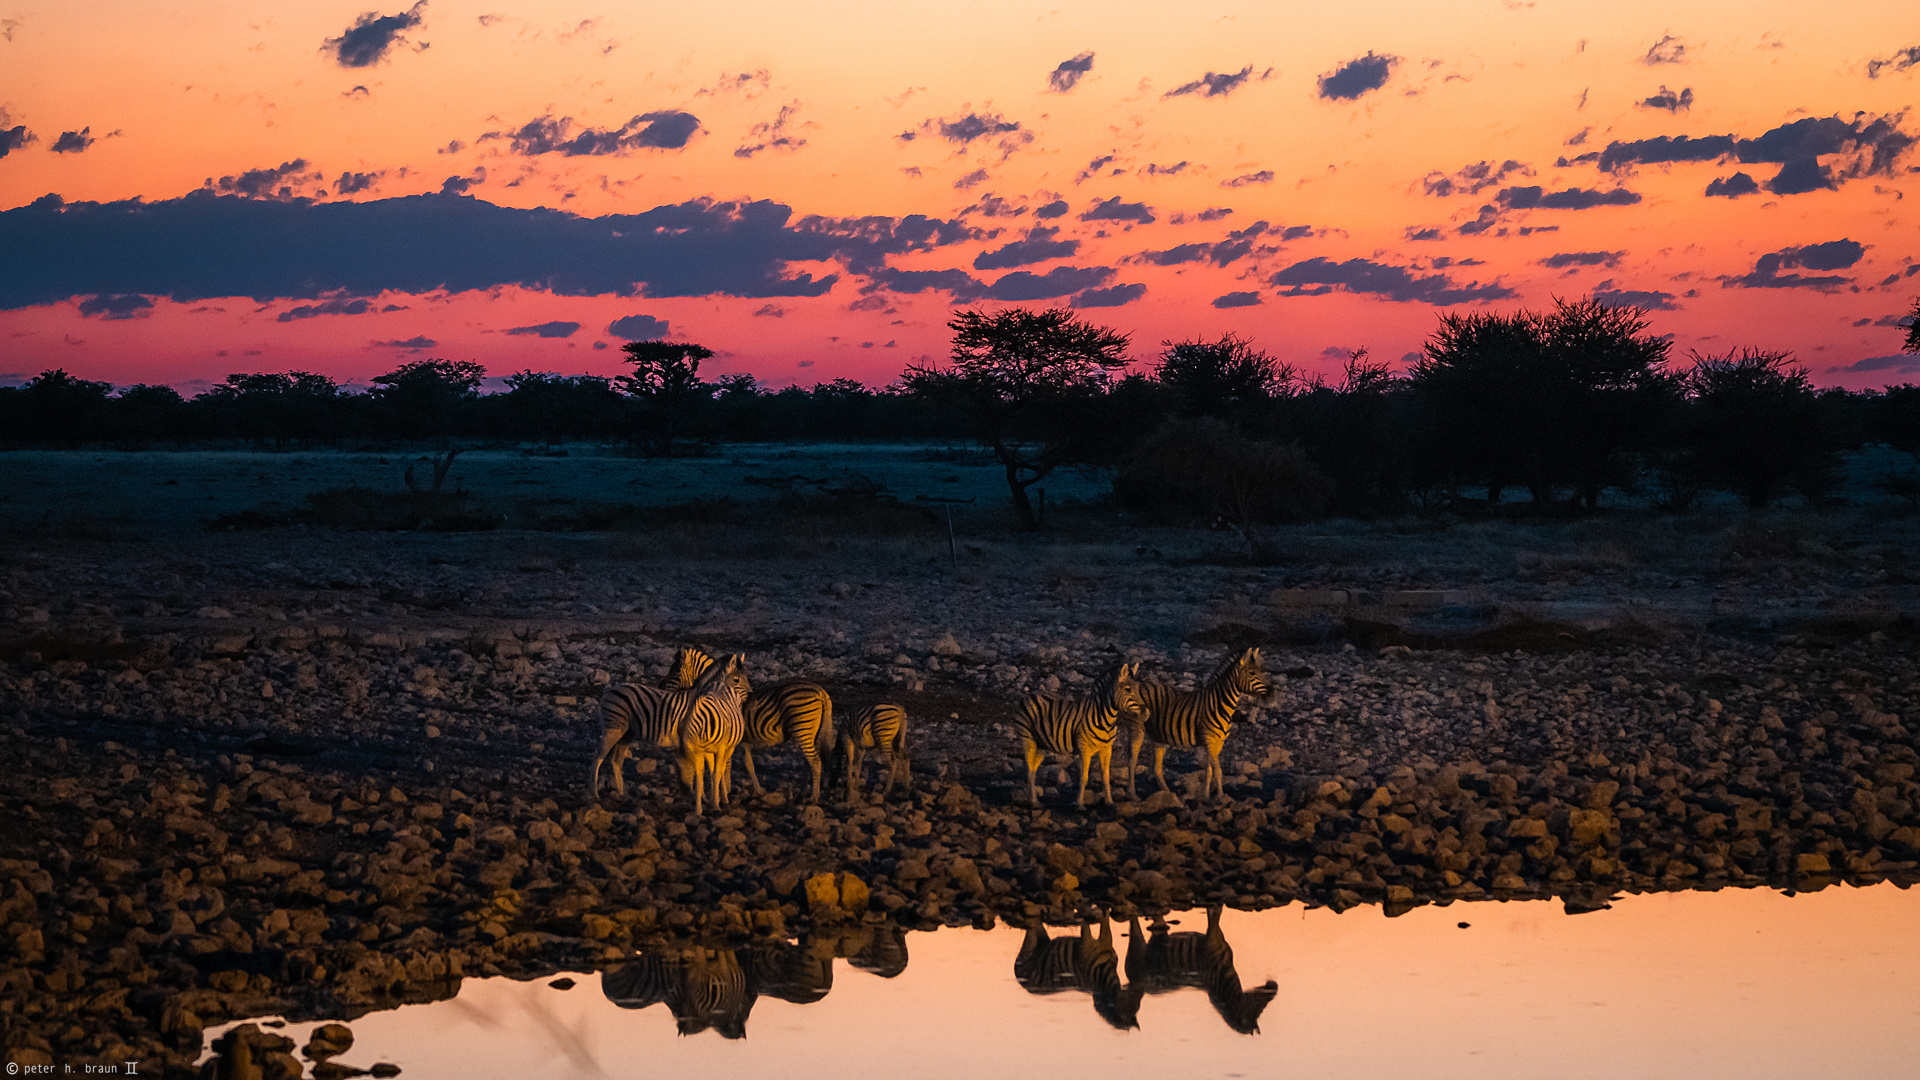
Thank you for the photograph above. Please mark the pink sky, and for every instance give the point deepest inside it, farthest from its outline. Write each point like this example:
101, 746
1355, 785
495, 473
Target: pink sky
1381, 162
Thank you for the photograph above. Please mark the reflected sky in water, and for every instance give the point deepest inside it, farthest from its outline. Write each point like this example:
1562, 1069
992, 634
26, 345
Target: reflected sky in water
1739, 983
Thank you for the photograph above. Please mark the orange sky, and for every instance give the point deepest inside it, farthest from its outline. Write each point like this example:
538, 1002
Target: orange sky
177, 97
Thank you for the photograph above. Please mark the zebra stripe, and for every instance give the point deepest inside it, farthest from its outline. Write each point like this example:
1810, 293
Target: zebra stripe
797, 712
633, 714
1052, 965
712, 728
881, 728
1083, 725
1201, 718
1166, 962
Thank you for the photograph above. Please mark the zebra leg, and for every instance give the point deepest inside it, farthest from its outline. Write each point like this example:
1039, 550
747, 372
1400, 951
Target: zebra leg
1215, 770
1086, 759
893, 769
609, 744
1034, 758
1135, 738
621, 753
813, 766
746, 754
853, 770
1105, 754
906, 766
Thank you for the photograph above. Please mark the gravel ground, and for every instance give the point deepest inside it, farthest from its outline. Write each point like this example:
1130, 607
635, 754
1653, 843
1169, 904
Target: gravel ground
319, 773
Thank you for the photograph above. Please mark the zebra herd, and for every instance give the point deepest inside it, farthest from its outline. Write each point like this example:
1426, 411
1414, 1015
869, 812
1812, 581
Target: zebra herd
706, 707
708, 987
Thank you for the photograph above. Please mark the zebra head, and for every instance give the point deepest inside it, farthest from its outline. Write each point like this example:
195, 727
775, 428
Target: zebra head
689, 663
1125, 694
1248, 675
729, 678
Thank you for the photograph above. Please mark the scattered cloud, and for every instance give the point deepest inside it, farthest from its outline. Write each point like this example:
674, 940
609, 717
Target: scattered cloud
14, 138
459, 185
1059, 281
269, 183
356, 92
1668, 50
1428, 233
972, 180
1528, 198
555, 329
1473, 179
641, 328
1832, 255
1165, 170
1115, 296
1264, 176
1070, 72
1864, 146
1212, 213
1115, 210
1357, 77
770, 311
776, 134
73, 142
335, 306
666, 129
1400, 284
1567, 259
748, 84
1236, 299
116, 307
1669, 100
353, 183
1213, 84
1235, 247
1054, 209
972, 127
412, 344
1650, 299
1732, 187
1038, 246
1901, 60
1897, 363
367, 41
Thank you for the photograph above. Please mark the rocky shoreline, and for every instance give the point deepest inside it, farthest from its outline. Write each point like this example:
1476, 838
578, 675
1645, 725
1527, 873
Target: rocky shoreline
312, 798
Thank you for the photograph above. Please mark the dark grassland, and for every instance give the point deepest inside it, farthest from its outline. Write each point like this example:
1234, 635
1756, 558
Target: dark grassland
273, 754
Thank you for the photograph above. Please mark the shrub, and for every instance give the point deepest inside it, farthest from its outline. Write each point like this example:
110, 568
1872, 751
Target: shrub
1205, 468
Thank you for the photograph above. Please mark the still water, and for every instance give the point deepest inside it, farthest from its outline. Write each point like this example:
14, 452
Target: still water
1737, 983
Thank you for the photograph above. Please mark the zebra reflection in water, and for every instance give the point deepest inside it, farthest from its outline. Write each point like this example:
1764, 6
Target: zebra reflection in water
1155, 964
1165, 962
715, 988
1083, 962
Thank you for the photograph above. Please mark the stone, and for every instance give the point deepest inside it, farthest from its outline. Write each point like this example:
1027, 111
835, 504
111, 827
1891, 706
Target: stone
328, 1040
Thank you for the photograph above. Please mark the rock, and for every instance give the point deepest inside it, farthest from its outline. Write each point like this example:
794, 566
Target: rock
1813, 863
328, 1040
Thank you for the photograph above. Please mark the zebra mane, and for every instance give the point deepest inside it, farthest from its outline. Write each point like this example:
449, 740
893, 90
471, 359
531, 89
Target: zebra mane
1225, 669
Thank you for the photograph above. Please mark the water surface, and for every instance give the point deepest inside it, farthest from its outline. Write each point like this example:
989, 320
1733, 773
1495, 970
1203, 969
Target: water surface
1737, 983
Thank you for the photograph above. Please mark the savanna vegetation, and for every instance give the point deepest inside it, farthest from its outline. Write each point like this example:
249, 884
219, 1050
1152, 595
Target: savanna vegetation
1563, 405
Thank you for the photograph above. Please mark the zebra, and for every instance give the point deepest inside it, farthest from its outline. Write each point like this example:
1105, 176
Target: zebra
631, 713
1164, 962
712, 728
883, 729
797, 712
1051, 965
1200, 718
1083, 725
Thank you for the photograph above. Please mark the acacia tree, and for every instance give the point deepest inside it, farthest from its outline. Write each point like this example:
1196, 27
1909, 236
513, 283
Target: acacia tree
666, 379
1755, 426
428, 398
1913, 327
1220, 378
1029, 383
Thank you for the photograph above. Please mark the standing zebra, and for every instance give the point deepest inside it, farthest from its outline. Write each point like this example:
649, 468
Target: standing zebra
1050, 965
632, 713
883, 729
1200, 718
1170, 961
712, 728
1082, 725
797, 712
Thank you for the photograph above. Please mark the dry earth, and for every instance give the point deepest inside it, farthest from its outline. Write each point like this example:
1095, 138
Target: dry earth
315, 772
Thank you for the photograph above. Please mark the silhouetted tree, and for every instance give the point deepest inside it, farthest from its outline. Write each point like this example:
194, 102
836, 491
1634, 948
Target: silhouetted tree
1896, 420
666, 380
1913, 327
274, 407
1755, 426
547, 408
59, 408
1543, 399
1220, 378
427, 398
1029, 382
1205, 467
143, 414
1360, 432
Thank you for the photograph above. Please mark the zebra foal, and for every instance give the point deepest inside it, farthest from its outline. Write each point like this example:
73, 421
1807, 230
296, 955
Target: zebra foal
1201, 718
1048, 723
796, 712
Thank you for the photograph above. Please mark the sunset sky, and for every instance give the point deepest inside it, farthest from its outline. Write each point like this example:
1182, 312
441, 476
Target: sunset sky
198, 188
